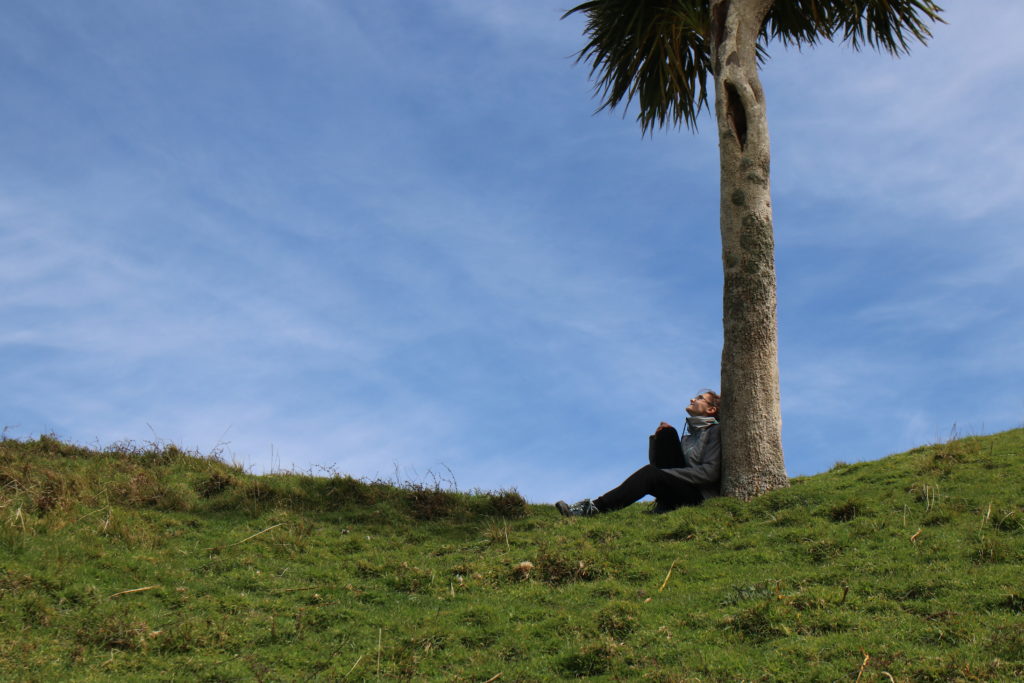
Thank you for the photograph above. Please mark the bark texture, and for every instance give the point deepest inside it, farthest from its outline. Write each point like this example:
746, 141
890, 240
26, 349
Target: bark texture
752, 460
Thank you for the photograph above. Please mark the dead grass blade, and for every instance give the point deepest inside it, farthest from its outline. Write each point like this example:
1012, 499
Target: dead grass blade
133, 590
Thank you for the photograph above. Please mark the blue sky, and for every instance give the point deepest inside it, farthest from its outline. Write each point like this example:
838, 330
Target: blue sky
391, 239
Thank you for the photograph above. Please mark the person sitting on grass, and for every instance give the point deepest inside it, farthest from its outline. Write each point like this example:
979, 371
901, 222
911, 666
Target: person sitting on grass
683, 471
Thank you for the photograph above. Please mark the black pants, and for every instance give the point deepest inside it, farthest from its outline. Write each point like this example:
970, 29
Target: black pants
651, 480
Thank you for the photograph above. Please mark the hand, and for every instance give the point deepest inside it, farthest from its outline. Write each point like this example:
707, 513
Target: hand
663, 425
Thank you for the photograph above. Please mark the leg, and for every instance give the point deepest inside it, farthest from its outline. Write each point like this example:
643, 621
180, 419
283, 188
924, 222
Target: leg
666, 450
649, 480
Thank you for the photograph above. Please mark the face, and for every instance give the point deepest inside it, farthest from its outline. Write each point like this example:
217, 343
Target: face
700, 407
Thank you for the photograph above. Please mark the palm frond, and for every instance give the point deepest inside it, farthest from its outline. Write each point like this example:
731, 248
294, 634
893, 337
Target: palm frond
886, 25
797, 23
659, 51
655, 51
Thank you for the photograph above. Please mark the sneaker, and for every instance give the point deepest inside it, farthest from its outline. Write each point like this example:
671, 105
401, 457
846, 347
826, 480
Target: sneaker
584, 508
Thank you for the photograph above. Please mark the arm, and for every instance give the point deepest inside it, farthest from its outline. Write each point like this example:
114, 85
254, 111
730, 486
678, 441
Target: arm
708, 470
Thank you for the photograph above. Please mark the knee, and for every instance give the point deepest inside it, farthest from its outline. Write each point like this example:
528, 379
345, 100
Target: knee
643, 476
647, 473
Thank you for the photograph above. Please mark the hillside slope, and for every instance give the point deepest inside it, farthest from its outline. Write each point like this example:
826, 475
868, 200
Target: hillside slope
151, 563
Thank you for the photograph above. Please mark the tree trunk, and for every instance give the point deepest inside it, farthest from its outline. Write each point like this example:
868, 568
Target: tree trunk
751, 419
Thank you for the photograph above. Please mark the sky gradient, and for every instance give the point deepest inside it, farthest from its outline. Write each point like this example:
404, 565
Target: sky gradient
393, 240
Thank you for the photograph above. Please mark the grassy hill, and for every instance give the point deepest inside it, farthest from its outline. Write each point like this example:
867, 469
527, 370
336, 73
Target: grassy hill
155, 564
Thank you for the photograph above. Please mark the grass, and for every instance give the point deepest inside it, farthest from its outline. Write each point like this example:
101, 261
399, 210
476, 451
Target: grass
149, 563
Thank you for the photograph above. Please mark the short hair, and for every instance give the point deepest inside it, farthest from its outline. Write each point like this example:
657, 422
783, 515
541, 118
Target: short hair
714, 400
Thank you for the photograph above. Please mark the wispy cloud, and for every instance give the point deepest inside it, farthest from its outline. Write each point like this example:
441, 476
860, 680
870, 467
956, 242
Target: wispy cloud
901, 132
369, 236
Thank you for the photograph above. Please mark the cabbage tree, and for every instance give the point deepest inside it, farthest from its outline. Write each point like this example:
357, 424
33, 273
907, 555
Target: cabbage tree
660, 53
